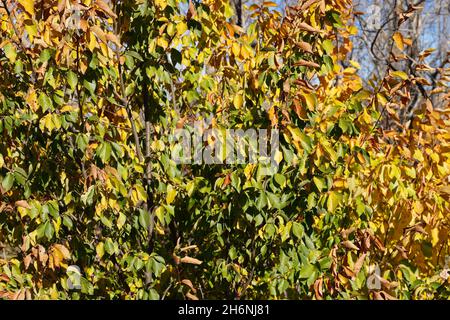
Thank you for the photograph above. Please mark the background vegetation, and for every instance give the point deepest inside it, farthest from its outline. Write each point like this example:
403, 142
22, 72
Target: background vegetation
87, 105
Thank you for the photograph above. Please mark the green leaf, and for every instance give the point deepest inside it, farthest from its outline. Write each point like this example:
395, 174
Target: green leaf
8, 182
134, 55
274, 200
72, 79
153, 294
104, 152
45, 55
20, 175
320, 183
90, 86
45, 102
10, 52
232, 253
306, 271
82, 141
144, 219
297, 230
175, 56
328, 46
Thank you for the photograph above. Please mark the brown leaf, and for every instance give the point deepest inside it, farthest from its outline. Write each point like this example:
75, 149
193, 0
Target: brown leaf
99, 33
19, 295
322, 7
190, 260
227, 181
308, 4
176, 259
307, 27
304, 84
387, 296
27, 261
191, 11
191, 296
43, 256
305, 46
377, 296
305, 63
378, 243
358, 264
349, 245
23, 204
113, 38
64, 251
318, 290
4, 277
188, 283
348, 272
345, 233
6, 295
105, 8
61, 5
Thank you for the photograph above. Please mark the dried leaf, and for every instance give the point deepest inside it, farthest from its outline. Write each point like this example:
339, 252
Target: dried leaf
105, 8
305, 63
190, 296
349, 245
23, 204
305, 46
190, 260
307, 27
188, 283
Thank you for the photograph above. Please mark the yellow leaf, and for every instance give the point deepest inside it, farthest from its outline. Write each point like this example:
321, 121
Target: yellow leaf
64, 251
278, 156
400, 74
434, 236
28, 5
236, 49
249, 170
100, 249
381, 98
398, 39
92, 42
418, 207
295, 132
68, 108
162, 4
162, 42
181, 28
418, 155
238, 101
171, 194
333, 201
310, 101
355, 64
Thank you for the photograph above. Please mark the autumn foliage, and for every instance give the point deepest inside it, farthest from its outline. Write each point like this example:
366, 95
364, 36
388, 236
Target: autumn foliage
90, 91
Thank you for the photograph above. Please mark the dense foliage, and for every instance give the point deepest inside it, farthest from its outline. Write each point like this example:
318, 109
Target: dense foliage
90, 93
